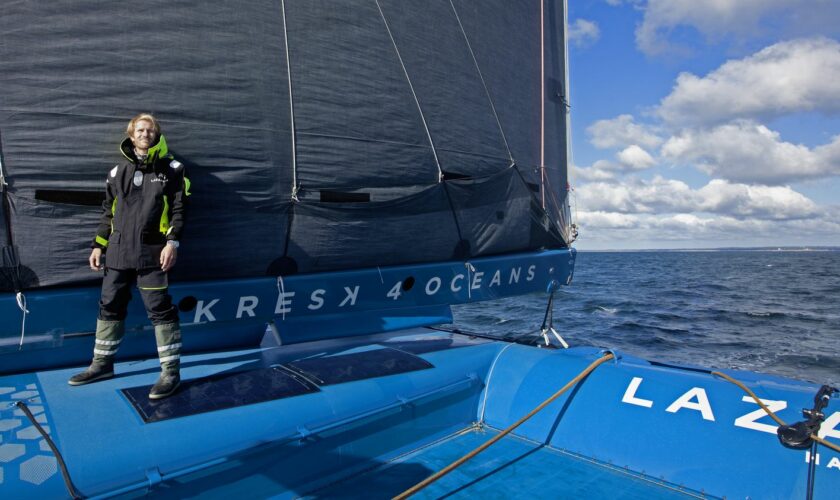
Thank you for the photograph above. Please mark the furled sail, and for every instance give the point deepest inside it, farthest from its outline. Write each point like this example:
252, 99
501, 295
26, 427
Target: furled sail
318, 134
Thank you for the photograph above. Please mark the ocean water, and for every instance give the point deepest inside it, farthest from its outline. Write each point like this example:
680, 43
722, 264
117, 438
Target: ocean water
773, 312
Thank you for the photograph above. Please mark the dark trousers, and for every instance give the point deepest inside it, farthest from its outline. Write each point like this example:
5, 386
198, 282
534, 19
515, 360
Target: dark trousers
153, 284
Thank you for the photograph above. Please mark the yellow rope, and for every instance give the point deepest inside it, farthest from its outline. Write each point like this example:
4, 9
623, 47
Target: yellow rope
767, 410
449, 468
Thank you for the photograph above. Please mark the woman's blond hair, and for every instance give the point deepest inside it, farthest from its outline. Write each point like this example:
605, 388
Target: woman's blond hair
129, 130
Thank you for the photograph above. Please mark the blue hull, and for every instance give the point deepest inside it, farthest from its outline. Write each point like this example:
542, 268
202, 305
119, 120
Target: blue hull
415, 401
58, 329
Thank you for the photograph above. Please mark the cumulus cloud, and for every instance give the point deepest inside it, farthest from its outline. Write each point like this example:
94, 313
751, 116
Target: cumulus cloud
737, 19
601, 170
765, 202
609, 230
630, 159
635, 158
583, 32
675, 198
788, 77
746, 151
622, 131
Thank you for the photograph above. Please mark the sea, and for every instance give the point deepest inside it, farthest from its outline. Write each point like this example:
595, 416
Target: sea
769, 311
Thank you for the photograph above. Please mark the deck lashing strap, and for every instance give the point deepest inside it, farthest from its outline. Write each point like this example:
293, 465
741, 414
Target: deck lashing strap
64, 473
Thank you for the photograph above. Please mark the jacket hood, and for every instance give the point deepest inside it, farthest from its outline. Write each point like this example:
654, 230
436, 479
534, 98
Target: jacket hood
158, 150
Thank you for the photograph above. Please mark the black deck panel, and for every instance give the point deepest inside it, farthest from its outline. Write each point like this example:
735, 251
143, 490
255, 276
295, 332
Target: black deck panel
225, 390
329, 370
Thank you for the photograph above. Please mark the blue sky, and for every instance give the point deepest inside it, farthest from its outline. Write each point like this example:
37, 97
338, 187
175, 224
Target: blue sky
705, 123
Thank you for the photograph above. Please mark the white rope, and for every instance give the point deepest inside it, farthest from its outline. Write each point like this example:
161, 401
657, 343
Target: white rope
410, 86
21, 302
470, 269
2, 175
483, 83
489, 380
281, 289
291, 103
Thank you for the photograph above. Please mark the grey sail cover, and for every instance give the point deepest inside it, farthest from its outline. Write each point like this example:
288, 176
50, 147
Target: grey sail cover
318, 134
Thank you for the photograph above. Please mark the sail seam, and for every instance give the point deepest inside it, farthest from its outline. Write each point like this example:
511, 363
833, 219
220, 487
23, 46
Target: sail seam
483, 83
291, 102
413, 93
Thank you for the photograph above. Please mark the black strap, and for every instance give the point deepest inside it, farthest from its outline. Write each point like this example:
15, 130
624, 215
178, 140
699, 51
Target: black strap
66, 475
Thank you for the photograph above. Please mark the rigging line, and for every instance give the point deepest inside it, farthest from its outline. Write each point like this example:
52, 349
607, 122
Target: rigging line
454, 215
553, 197
411, 86
291, 102
531, 194
767, 410
542, 102
21, 302
483, 83
449, 468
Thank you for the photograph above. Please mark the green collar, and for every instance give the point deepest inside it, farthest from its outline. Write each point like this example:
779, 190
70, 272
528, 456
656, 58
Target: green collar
159, 150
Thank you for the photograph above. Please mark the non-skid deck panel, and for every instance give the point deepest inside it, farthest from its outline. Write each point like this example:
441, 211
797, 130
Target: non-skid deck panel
329, 370
219, 392
239, 388
511, 468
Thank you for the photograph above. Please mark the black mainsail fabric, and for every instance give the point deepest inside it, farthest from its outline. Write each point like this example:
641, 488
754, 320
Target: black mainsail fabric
318, 134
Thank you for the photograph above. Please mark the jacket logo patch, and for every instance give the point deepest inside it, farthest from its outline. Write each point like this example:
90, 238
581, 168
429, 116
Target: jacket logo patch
138, 178
160, 178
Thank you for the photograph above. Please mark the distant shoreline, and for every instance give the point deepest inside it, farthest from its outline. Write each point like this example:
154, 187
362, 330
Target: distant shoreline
724, 249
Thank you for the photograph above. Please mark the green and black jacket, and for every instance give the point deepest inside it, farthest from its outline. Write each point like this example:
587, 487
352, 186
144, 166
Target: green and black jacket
145, 205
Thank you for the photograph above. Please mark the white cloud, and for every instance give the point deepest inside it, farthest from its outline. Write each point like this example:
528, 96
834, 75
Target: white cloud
583, 32
634, 196
788, 77
635, 158
605, 230
676, 199
738, 19
740, 200
601, 170
745, 151
622, 131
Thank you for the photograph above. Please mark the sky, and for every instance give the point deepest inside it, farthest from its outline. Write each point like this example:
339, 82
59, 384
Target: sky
705, 123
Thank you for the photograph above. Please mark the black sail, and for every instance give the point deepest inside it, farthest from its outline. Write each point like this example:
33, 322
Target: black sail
318, 134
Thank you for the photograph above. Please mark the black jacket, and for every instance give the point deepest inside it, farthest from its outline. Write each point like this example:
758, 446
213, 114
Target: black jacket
144, 206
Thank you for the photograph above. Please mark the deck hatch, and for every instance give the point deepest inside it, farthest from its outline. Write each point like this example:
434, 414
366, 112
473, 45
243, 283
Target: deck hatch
329, 370
219, 392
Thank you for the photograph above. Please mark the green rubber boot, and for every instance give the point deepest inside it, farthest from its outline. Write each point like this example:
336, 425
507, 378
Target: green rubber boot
169, 351
109, 334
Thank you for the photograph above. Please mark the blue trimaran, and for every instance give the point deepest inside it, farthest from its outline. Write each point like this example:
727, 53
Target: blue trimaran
358, 166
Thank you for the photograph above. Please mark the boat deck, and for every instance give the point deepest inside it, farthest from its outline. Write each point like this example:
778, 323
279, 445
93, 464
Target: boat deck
372, 416
511, 468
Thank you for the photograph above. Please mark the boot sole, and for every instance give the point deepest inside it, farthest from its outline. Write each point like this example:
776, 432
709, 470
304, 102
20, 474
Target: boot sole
165, 394
97, 378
